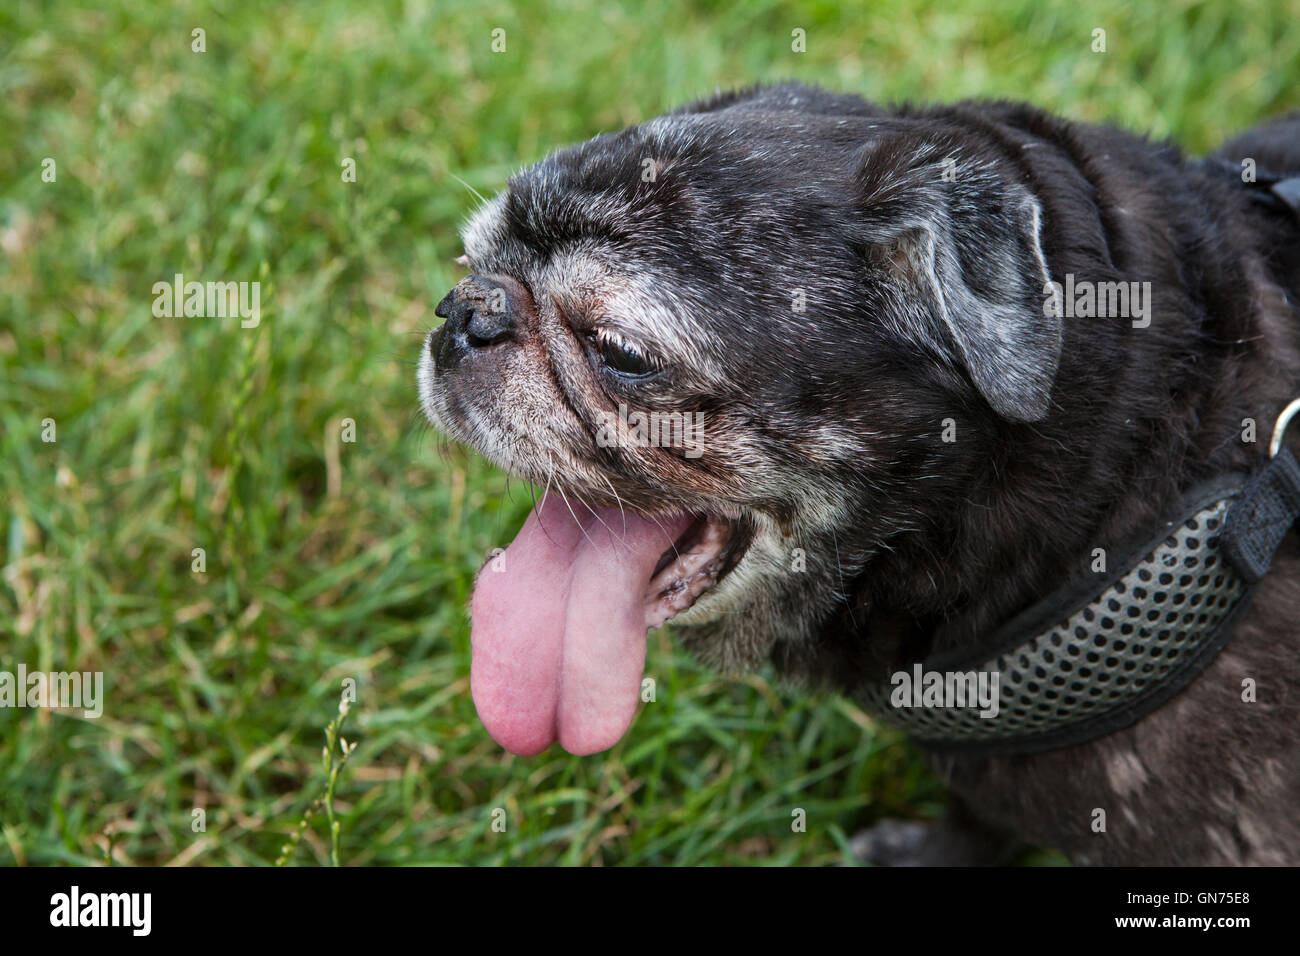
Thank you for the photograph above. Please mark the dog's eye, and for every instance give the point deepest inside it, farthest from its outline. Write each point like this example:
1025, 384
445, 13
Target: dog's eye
622, 356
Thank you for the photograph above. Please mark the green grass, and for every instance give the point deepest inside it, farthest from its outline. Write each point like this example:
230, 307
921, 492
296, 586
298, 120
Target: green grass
327, 559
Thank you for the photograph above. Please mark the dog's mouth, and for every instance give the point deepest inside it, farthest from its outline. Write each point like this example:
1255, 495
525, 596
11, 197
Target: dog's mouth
560, 618
695, 562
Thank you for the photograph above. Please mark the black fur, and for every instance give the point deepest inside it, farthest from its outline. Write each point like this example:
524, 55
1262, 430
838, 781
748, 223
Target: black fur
925, 304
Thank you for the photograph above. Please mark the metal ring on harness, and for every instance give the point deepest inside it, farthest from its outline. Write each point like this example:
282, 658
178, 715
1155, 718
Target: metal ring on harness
1279, 427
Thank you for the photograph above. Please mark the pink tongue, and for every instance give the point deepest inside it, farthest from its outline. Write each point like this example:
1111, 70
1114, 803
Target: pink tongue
559, 634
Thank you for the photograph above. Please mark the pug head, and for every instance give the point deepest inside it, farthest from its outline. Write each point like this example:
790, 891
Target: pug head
723, 346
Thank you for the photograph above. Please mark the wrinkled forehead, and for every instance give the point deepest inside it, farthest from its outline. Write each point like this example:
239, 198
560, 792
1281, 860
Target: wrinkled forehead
595, 191
591, 270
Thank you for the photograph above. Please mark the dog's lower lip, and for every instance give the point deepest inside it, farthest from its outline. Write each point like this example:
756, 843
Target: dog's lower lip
702, 556
681, 545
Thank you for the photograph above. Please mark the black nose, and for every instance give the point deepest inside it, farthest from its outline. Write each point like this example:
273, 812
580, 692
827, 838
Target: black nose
479, 314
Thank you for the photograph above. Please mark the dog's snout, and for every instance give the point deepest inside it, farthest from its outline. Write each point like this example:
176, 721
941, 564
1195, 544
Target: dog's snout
481, 311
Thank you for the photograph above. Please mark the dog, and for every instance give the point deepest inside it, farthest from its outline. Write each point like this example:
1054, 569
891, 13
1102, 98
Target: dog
794, 370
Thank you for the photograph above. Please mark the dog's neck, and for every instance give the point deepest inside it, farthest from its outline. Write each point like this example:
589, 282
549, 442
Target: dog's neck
1042, 502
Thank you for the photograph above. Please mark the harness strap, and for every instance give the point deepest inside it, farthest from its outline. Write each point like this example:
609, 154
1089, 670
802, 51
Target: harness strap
1269, 506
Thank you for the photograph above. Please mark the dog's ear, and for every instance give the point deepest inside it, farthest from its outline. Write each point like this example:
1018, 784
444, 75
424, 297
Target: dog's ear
958, 242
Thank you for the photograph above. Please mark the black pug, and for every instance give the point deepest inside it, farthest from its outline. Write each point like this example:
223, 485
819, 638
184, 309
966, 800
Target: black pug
849, 389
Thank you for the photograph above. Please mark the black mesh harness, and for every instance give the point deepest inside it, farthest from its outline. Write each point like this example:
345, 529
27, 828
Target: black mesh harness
1099, 654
